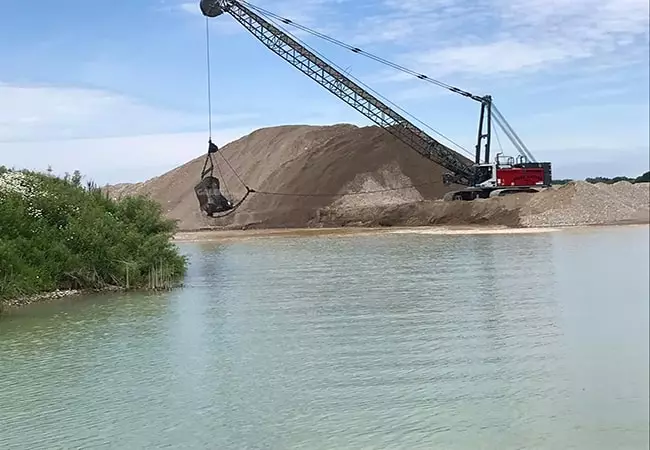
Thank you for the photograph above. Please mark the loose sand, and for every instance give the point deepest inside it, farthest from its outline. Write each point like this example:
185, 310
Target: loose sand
308, 168
242, 235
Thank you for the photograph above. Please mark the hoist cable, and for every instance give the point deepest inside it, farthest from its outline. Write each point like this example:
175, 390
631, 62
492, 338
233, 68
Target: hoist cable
516, 137
209, 76
331, 63
233, 170
223, 180
212, 162
249, 190
496, 134
511, 134
362, 52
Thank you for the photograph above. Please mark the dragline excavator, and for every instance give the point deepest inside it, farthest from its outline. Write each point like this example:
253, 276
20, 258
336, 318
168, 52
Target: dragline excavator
482, 178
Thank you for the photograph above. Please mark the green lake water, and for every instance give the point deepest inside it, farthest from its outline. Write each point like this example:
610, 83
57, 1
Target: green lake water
409, 341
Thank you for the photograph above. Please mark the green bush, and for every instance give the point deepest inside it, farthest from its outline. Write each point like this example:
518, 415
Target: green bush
57, 234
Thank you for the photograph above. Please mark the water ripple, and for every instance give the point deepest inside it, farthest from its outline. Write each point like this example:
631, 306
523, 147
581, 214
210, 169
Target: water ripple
409, 341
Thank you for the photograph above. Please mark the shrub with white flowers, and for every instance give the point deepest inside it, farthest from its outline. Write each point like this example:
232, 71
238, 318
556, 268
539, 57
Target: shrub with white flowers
21, 183
57, 234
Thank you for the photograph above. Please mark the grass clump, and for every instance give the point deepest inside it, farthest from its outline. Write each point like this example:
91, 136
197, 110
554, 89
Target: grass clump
56, 233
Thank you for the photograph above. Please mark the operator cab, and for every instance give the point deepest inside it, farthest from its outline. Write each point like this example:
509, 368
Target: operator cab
485, 175
504, 161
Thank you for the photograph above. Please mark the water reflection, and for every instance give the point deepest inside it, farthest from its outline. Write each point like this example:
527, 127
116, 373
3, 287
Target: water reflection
354, 342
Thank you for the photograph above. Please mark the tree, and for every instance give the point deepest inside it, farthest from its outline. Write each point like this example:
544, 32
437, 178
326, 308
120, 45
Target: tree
76, 178
645, 178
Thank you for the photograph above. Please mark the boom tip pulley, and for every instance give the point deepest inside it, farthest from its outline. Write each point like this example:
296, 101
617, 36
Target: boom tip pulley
212, 8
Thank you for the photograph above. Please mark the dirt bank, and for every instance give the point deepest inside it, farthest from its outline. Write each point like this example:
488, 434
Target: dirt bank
582, 203
343, 175
502, 211
242, 235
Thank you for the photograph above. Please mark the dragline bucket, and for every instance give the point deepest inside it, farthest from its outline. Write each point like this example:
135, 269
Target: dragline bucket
212, 8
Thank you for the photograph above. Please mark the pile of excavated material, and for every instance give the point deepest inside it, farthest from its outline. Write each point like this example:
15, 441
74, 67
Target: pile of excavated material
583, 203
306, 167
343, 175
574, 204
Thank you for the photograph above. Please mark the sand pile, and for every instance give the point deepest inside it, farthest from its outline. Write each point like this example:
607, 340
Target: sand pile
582, 203
384, 187
300, 173
576, 203
311, 165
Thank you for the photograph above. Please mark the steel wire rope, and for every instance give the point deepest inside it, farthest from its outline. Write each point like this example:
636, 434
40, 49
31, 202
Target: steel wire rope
496, 134
361, 52
209, 156
331, 63
512, 135
209, 76
223, 180
521, 147
250, 190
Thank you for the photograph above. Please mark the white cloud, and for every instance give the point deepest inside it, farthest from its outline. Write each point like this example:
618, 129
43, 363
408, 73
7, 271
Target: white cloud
108, 136
114, 160
461, 42
175, 6
452, 37
553, 30
455, 40
191, 7
51, 112
489, 59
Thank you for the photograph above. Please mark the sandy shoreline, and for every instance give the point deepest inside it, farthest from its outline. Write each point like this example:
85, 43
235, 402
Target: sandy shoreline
210, 235
220, 235
230, 235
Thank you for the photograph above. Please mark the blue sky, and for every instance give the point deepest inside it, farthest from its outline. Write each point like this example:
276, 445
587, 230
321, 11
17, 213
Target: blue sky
118, 91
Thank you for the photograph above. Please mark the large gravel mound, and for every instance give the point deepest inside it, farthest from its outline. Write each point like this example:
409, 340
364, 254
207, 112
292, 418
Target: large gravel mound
582, 203
311, 165
301, 173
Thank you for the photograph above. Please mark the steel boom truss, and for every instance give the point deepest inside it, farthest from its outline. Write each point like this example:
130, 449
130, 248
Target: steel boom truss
338, 84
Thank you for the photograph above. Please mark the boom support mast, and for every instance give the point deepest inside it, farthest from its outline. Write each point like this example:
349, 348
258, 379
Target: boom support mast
345, 89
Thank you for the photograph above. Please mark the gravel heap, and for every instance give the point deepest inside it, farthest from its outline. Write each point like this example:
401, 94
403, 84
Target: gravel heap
634, 195
583, 203
308, 166
301, 172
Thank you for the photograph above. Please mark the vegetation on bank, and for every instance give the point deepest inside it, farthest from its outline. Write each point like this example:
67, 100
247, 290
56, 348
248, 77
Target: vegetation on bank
56, 233
645, 178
